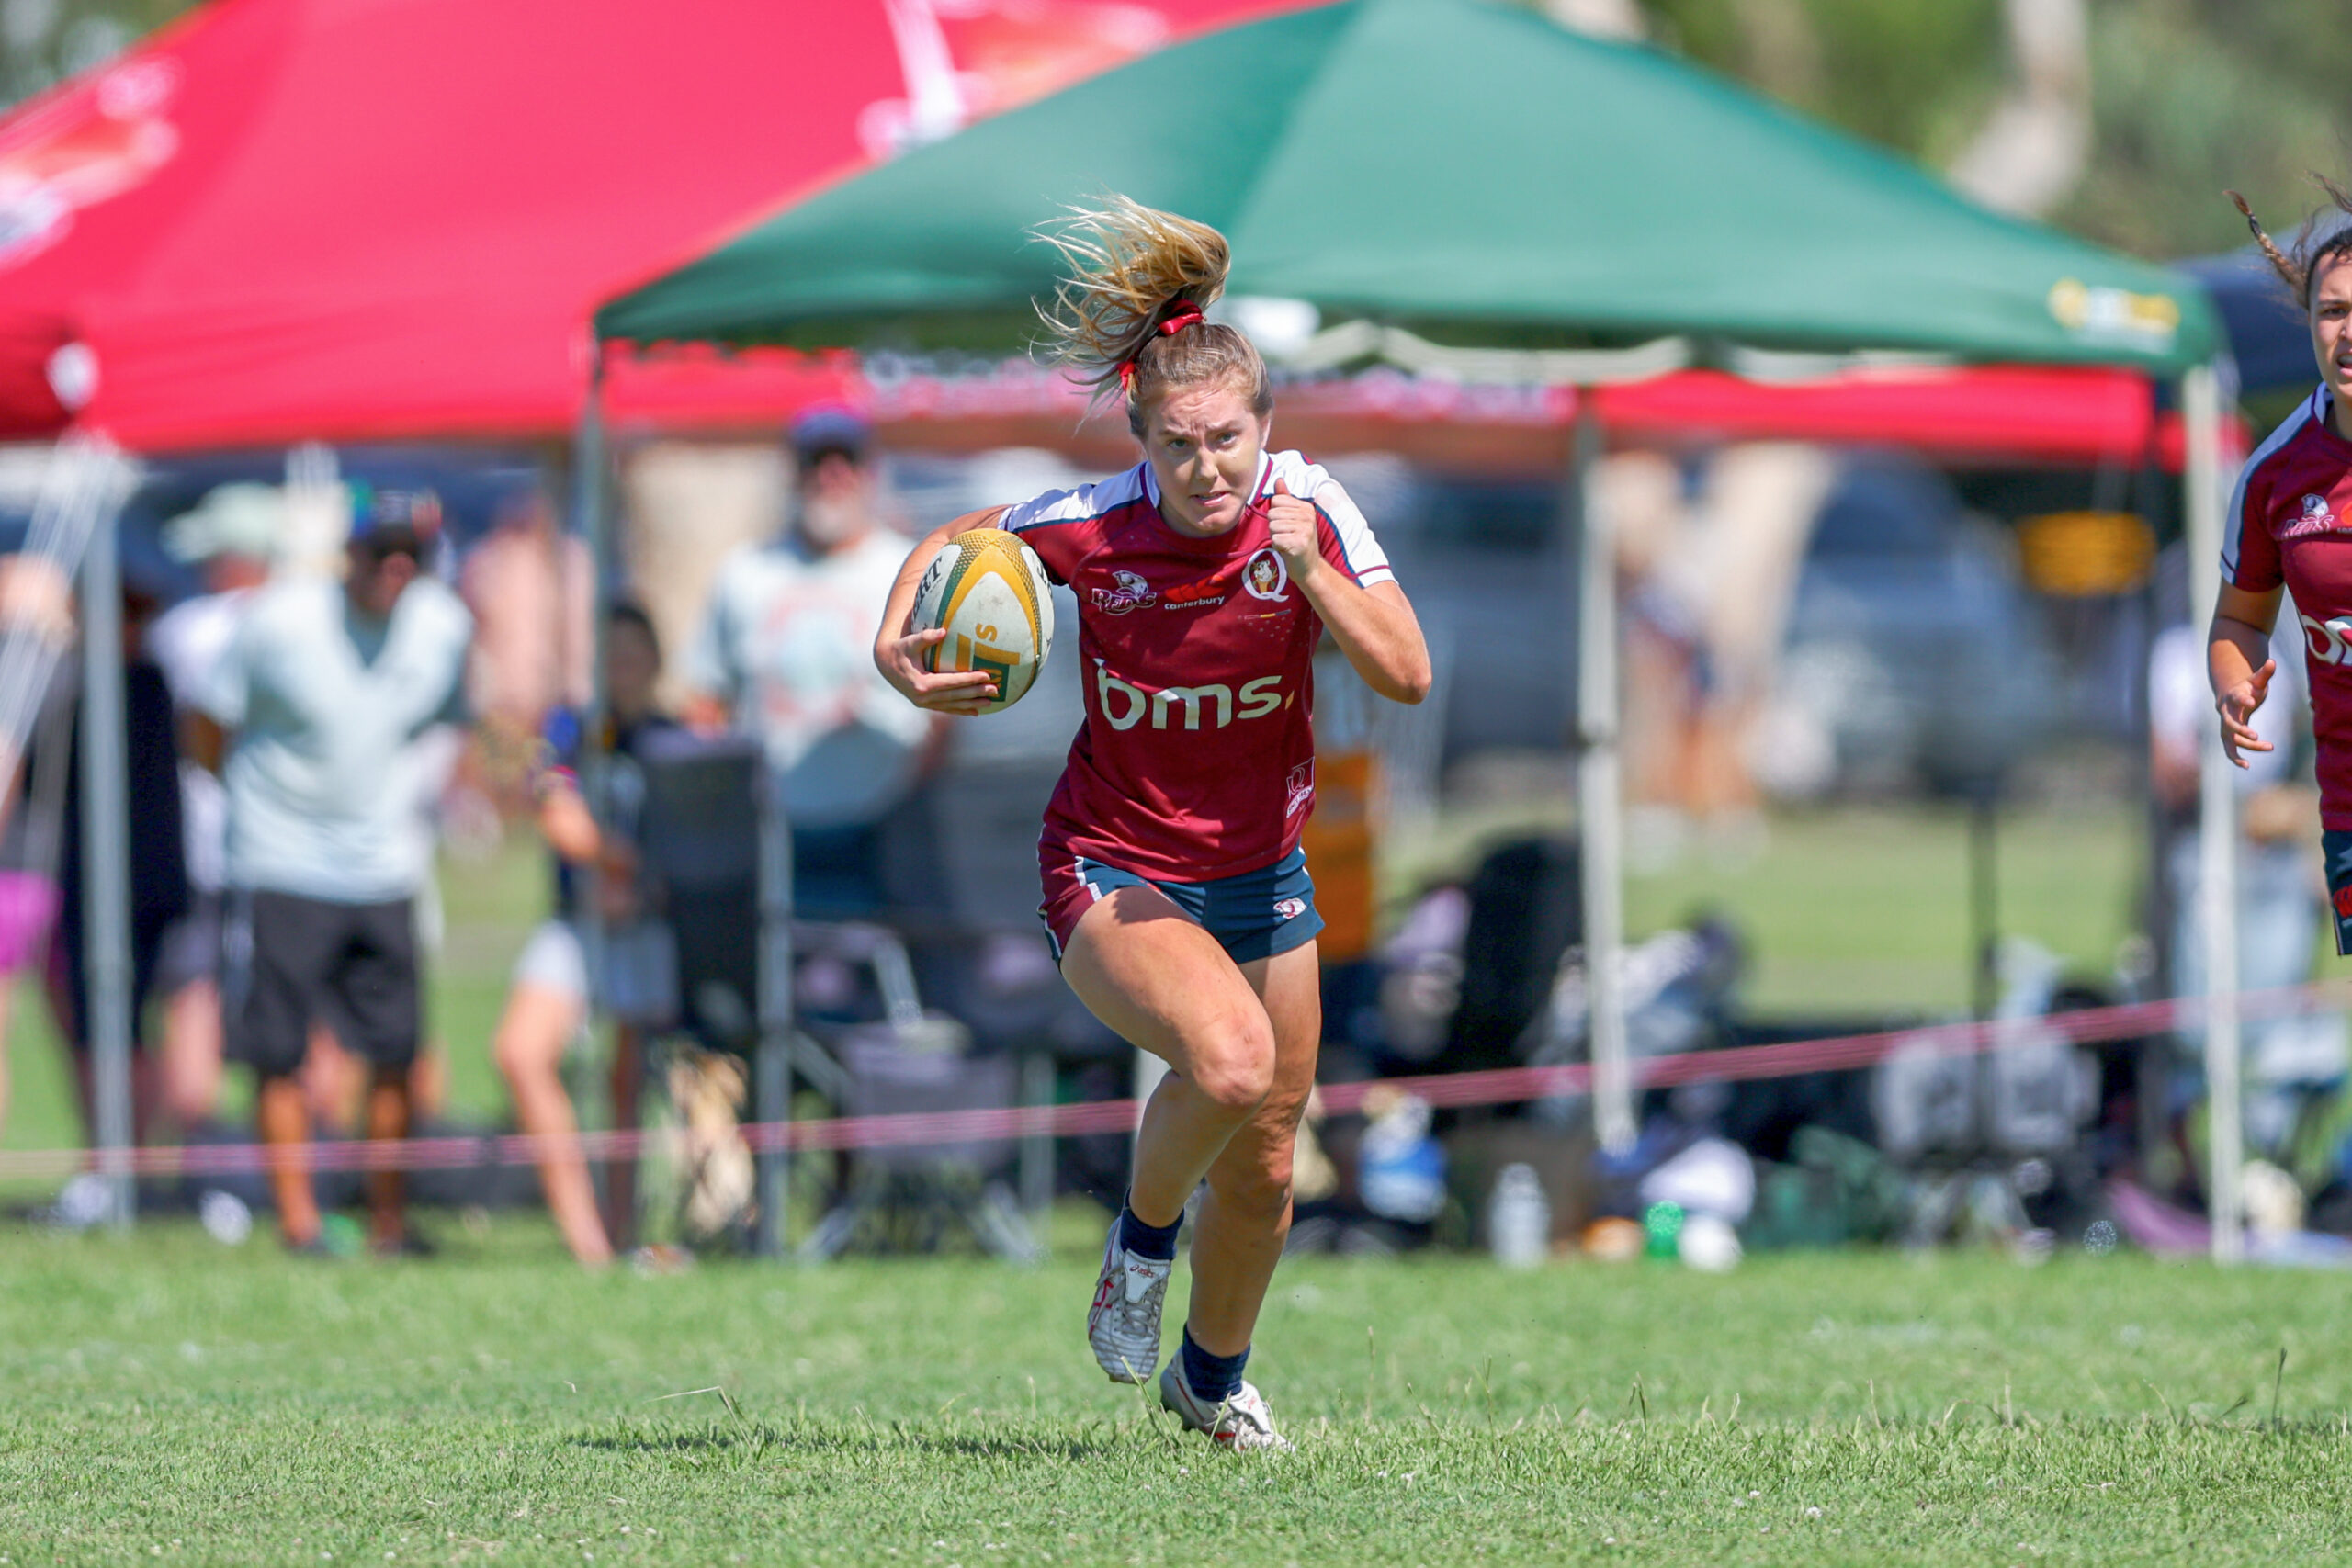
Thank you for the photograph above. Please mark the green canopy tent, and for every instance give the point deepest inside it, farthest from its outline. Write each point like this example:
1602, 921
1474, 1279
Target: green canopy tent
1466, 169
1464, 184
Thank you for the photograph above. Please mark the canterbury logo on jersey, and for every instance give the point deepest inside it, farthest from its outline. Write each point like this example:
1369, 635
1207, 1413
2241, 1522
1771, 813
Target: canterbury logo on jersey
1125, 705
1201, 595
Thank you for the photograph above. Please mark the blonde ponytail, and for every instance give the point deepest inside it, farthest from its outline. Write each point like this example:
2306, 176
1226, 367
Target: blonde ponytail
1126, 320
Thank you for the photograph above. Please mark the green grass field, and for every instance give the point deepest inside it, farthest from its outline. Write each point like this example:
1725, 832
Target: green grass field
167, 1397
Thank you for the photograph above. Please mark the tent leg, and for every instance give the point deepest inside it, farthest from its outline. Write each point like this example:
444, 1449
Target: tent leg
590, 504
1984, 895
1599, 788
772, 1062
106, 865
2217, 836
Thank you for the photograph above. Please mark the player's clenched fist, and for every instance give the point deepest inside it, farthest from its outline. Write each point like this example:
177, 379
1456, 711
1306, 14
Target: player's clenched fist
1292, 522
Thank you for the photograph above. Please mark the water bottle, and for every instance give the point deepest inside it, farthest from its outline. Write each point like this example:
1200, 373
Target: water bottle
1662, 1225
1518, 1219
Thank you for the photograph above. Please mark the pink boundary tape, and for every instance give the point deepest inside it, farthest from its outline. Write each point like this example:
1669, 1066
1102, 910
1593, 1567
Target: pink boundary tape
1499, 1087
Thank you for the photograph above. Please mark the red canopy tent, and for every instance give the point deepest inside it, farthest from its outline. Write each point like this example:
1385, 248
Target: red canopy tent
290, 220
282, 221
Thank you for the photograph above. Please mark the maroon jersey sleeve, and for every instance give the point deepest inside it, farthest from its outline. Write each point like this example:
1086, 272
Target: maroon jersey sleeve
2249, 551
1346, 538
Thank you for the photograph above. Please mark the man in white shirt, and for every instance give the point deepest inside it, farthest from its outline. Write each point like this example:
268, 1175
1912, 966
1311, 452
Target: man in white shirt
783, 654
317, 701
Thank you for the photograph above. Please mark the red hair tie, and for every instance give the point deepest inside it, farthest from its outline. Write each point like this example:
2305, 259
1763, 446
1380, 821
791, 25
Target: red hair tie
1186, 314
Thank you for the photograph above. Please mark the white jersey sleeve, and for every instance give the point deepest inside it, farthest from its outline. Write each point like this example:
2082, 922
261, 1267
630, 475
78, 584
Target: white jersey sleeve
1348, 540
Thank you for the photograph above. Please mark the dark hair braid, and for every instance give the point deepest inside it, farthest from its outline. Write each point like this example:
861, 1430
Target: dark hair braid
2314, 247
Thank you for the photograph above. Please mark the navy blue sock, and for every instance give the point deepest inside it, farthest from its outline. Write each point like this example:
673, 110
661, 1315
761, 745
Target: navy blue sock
1157, 1242
1212, 1379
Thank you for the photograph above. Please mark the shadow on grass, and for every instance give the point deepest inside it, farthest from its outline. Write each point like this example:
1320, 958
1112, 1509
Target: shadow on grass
757, 1439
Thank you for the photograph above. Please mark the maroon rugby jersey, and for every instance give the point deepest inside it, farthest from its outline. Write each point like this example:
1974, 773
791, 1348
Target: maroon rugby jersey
1196, 759
2290, 521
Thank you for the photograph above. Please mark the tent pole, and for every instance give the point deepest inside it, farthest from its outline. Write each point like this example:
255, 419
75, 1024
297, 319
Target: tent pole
591, 519
1599, 782
2217, 835
106, 864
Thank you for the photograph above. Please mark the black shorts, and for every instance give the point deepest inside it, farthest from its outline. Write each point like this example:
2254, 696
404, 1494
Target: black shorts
290, 960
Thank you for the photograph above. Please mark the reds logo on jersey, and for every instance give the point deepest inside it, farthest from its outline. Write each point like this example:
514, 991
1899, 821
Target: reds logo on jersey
1129, 590
2314, 517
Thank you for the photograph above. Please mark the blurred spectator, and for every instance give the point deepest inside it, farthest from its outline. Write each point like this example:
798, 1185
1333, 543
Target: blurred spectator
231, 535
1710, 577
784, 652
531, 588
547, 1004
159, 885
323, 691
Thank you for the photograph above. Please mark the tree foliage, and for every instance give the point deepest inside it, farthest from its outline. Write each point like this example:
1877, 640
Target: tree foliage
2187, 96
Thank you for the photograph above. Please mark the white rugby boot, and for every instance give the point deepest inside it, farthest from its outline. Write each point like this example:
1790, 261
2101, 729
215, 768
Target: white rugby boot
1242, 1423
1123, 1324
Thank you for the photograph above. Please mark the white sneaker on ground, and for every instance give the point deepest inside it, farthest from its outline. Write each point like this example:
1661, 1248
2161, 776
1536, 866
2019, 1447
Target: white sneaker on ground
1242, 1423
1123, 1324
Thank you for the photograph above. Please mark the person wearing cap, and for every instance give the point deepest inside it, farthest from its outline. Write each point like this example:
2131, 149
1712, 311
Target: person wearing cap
310, 715
781, 655
230, 536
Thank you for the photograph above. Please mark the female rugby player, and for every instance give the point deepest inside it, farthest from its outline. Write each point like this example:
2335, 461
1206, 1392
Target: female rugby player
2290, 527
1175, 891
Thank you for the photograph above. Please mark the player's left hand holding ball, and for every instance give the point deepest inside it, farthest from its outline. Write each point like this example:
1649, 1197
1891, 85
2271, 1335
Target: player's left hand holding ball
1293, 522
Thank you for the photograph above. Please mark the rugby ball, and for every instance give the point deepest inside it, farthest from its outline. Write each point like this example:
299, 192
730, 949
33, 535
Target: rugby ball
988, 590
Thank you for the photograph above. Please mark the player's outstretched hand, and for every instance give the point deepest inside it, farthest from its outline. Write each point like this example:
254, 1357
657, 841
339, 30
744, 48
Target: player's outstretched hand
1292, 522
903, 663
2237, 707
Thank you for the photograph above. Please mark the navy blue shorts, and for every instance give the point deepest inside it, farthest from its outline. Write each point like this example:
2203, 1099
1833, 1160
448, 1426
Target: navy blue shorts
1255, 915
2336, 844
